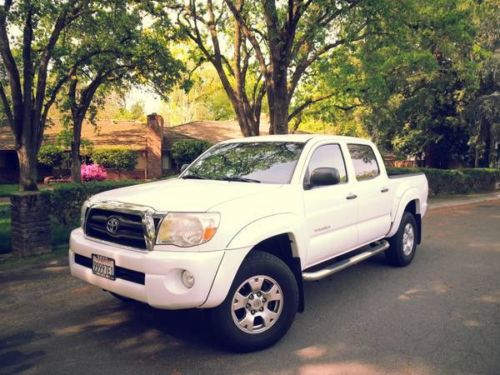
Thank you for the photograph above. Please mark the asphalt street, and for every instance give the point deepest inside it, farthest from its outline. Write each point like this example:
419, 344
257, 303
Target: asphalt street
440, 315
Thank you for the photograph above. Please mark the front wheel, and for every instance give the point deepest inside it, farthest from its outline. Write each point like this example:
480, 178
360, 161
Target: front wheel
404, 243
260, 306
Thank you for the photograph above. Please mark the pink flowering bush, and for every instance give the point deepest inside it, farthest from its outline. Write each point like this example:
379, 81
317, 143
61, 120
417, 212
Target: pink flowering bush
93, 172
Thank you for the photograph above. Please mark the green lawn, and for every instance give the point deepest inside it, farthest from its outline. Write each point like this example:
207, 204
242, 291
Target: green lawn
7, 189
4, 228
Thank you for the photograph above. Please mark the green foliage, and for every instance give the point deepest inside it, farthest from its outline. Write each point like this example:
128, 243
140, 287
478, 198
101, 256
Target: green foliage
6, 190
185, 151
203, 99
67, 199
51, 155
120, 159
455, 181
5, 228
134, 113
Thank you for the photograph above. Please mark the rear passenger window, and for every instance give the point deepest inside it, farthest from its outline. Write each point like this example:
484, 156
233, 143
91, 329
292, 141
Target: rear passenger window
328, 156
364, 161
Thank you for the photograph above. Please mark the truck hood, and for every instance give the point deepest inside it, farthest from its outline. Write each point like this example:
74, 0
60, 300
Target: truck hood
183, 195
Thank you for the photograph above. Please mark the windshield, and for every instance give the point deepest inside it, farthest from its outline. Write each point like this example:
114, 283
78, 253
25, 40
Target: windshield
266, 162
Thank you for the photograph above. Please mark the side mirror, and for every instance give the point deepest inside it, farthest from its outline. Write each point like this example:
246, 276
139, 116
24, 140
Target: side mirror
184, 167
324, 177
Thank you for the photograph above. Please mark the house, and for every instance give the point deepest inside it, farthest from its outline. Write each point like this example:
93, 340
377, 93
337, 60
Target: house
151, 140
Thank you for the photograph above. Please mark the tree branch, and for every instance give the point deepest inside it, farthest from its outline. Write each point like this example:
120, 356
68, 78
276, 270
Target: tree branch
250, 36
10, 67
6, 107
306, 104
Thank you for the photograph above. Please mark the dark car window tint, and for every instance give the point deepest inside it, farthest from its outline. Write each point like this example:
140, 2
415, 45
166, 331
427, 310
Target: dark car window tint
364, 161
328, 156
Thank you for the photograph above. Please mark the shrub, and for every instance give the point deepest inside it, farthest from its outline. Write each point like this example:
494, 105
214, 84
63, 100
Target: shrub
455, 181
51, 155
119, 159
93, 172
185, 151
66, 199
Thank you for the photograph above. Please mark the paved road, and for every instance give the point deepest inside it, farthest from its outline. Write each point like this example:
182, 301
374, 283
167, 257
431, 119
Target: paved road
441, 315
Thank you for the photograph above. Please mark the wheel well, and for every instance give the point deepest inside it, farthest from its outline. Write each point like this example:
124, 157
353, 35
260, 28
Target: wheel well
413, 207
282, 246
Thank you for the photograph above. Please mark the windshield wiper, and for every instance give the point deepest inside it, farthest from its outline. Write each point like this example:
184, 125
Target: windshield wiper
193, 177
240, 179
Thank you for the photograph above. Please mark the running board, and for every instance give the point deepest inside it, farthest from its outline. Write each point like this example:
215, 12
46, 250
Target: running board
343, 264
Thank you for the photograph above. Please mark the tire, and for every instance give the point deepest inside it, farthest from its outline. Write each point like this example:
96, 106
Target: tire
403, 244
254, 322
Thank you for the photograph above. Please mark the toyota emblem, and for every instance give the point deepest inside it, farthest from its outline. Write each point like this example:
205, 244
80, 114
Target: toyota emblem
112, 225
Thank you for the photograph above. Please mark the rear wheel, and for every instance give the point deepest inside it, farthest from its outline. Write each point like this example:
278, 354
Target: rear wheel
404, 243
260, 306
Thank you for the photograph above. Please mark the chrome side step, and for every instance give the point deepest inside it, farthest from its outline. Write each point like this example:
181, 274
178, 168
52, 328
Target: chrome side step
372, 250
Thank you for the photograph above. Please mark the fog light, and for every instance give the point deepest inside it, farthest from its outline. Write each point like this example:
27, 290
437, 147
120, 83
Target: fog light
187, 279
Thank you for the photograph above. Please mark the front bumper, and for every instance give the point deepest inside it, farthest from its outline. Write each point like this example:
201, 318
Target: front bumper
161, 285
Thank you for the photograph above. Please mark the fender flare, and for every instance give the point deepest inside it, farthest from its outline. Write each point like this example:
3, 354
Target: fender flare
242, 243
266, 227
407, 197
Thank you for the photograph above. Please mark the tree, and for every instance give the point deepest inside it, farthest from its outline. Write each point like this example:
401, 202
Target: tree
277, 43
483, 112
408, 81
203, 99
25, 91
123, 52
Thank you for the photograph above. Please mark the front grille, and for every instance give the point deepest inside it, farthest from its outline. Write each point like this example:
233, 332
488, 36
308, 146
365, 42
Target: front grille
120, 272
130, 230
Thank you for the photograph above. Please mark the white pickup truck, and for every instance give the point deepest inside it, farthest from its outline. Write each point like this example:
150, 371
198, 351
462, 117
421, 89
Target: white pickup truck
244, 225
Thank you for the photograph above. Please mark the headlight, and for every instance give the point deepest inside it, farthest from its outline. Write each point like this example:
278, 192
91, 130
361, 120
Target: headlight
83, 212
187, 229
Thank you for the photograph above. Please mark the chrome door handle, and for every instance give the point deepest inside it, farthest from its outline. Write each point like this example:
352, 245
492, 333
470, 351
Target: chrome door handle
351, 196
384, 190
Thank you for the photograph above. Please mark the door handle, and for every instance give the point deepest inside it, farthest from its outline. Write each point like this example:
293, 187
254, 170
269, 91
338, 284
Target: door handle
351, 196
384, 190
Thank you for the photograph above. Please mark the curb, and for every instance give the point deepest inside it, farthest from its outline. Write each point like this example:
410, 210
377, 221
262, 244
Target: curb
463, 202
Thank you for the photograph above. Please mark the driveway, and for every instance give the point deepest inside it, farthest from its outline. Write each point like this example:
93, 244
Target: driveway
440, 315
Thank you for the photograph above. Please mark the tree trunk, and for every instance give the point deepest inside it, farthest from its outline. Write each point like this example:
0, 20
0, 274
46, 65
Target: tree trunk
76, 175
277, 97
27, 168
279, 116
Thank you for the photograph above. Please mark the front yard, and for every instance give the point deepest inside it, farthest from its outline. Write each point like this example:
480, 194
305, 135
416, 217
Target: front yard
60, 233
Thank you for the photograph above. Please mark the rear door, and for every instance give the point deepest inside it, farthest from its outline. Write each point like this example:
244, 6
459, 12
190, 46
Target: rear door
373, 195
330, 214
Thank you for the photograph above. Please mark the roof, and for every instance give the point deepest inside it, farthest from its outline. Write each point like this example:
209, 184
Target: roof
211, 131
107, 134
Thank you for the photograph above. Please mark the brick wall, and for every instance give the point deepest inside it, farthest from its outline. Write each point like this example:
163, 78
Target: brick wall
30, 224
154, 139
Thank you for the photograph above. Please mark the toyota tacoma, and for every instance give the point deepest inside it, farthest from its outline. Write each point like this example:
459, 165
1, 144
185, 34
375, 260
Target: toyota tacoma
244, 225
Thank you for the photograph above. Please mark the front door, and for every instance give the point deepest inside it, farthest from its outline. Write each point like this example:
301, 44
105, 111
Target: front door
330, 215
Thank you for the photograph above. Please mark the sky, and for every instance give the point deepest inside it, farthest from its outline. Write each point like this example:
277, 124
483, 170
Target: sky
152, 102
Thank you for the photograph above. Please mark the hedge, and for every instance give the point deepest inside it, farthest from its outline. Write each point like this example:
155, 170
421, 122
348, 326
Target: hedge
185, 151
120, 159
66, 199
455, 181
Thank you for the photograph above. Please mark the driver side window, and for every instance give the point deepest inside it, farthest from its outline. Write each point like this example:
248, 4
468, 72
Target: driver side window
329, 156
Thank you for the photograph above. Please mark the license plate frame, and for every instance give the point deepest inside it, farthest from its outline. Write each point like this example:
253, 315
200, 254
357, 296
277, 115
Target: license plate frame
103, 266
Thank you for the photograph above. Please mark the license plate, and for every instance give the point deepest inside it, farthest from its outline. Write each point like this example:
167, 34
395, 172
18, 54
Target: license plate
103, 266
